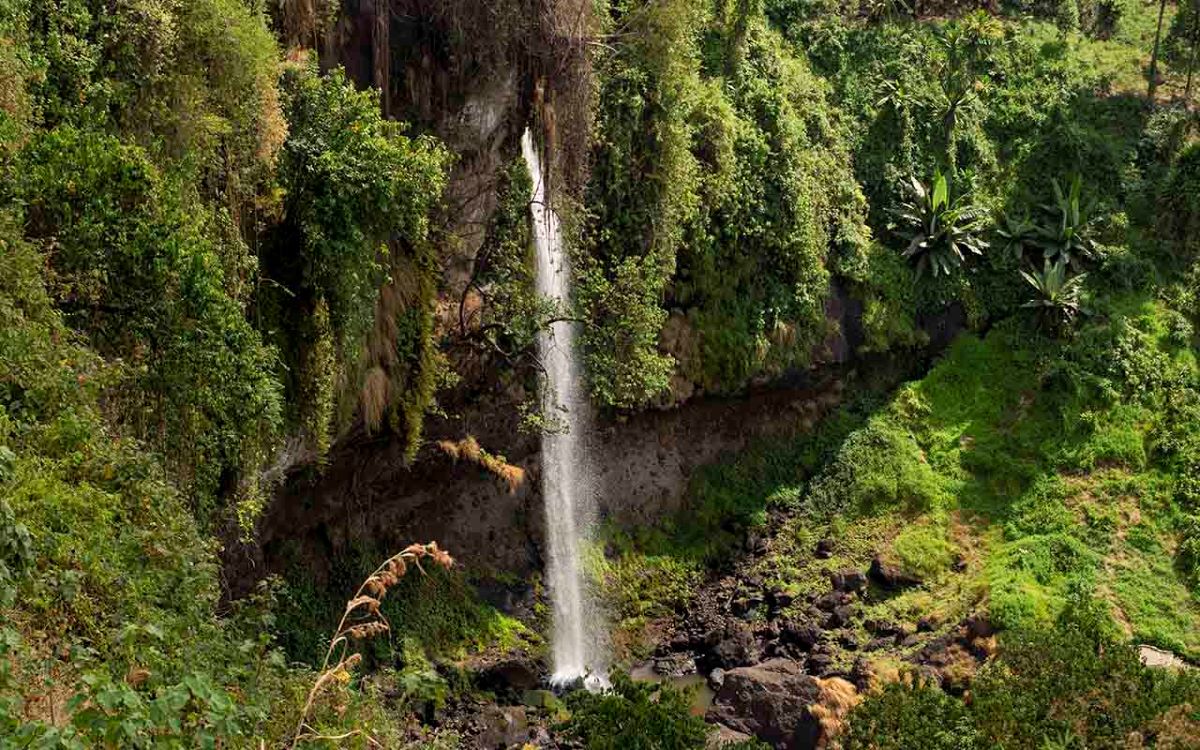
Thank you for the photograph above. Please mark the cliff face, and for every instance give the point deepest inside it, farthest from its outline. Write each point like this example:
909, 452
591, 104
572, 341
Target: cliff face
476, 74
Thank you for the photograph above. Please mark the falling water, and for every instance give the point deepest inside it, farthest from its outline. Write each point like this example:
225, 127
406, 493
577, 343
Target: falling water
577, 633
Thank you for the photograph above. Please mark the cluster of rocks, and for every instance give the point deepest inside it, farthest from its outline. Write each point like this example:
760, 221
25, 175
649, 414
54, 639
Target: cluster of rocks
771, 659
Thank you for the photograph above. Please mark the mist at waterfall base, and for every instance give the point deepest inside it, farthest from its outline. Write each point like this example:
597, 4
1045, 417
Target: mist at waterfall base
578, 635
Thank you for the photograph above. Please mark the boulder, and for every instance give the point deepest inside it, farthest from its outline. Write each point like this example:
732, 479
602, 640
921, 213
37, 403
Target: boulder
770, 701
738, 648
824, 549
716, 678
848, 580
826, 602
804, 635
891, 576
840, 616
724, 736
516, 673
503, 727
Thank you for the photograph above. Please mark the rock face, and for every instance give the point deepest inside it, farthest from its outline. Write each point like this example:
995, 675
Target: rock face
770, 701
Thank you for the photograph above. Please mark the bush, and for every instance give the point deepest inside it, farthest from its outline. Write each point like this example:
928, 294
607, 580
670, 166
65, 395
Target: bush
634, 716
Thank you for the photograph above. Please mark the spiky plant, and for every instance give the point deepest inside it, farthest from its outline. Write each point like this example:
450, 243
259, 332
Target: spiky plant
1017, 233
1067, 232
941, 231
1057, 298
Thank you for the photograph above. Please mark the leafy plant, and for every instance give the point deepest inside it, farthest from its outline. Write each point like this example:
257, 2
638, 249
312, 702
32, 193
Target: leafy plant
634, 716
1057, 295
942, 231
1067, 232
1018, 233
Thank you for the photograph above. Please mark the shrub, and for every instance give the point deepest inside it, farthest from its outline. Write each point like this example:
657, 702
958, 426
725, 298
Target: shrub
634, 716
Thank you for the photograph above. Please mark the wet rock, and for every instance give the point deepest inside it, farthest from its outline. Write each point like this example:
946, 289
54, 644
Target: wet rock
824, 549
538, 699
891, 576
517, 674
848, 580
675, 665
503, 726
716, 678
770, 701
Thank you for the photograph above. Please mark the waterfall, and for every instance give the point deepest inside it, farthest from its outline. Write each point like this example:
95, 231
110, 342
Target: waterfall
577, 634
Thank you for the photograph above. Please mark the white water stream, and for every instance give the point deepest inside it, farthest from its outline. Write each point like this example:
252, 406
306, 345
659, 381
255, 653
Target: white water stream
578, 633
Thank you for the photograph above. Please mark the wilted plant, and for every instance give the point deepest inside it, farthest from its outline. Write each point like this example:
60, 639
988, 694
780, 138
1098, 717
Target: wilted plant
1057, 299
362, 620
941, 231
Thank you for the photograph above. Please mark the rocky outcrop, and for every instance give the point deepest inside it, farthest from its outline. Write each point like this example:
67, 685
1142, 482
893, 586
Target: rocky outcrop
770, 701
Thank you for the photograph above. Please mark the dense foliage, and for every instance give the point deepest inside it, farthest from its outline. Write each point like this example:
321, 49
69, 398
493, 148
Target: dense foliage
217, 257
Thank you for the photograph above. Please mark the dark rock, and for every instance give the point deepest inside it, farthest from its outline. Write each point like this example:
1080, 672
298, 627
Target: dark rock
781, 599
848, 580
804, 635
726, 736
716, 678
840, 616
770, 701
675, 665
824, 549
517, 674
738, 649
819, 663
850, 642
979, 626
924, 625
877, 643
960, 563
503, 726
880, 627
909, 641
861, 673
891, 576
830, 601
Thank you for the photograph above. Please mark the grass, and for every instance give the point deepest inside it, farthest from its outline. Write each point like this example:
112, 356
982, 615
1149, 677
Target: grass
1017, 470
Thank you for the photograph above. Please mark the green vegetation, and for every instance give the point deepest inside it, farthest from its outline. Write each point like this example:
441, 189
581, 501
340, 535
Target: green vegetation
216, 258
638, 716
1070, 686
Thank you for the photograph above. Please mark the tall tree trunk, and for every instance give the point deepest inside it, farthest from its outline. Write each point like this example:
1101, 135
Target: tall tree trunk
1187, 91
1162, 7
381, 52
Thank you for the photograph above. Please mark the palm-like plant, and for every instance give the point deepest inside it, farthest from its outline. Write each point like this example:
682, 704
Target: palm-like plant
941, 231
1057, 295
1068, 233
1018, 232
